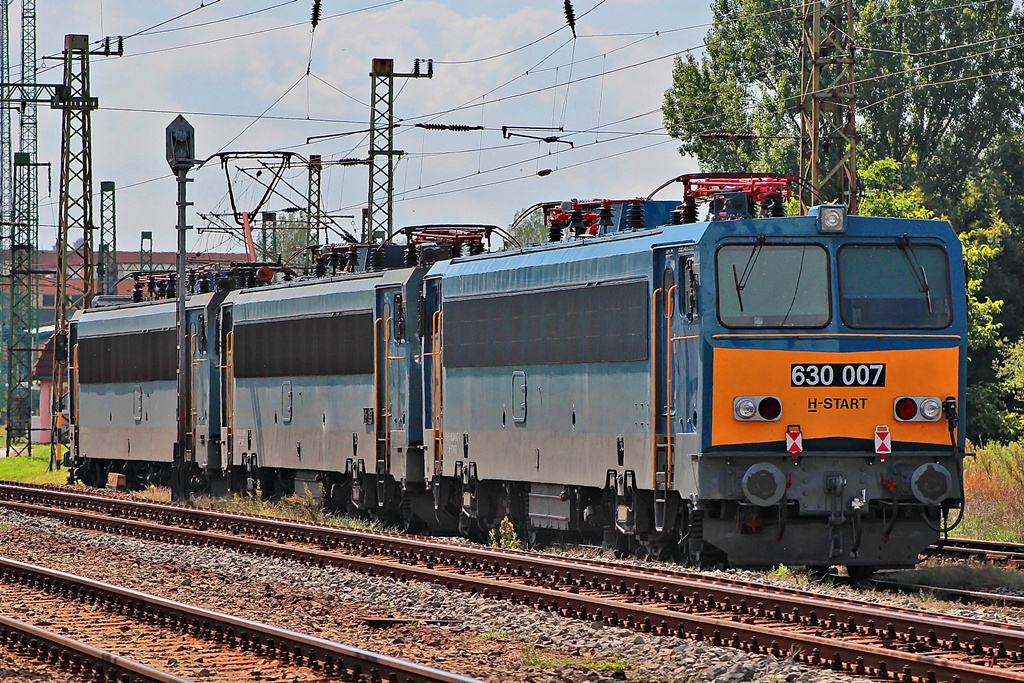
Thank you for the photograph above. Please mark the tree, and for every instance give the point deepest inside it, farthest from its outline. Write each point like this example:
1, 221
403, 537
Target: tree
747, 82
881, 184
531, 230
934, 92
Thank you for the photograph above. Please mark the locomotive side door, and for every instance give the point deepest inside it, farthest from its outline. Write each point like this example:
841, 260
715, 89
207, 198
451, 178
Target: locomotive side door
73, 395
200, 385
390, 382
227, 386
663, 296
430, 321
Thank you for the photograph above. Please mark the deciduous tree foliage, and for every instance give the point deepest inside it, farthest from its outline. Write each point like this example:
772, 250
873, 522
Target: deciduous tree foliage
938, 87
531, 230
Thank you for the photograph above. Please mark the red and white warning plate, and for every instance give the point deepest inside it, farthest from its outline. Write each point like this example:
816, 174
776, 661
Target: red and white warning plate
794, 441
883, 440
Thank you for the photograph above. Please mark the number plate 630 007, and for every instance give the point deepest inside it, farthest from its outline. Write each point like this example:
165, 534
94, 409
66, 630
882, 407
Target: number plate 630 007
837, 375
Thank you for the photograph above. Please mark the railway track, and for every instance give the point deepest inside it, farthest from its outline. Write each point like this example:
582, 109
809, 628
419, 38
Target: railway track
187, 637
842, 635
74, 657
995, 552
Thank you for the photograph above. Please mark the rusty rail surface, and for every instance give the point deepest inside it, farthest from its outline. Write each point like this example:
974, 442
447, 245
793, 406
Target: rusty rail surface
79, 659
843, 635
348, 663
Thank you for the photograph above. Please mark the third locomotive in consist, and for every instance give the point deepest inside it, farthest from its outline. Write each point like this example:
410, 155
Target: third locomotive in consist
753, 389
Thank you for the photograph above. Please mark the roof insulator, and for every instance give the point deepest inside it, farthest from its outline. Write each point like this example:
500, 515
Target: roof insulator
457, 127
570, 17
316, 13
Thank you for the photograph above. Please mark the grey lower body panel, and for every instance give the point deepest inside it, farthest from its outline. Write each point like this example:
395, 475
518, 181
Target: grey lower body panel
808, 541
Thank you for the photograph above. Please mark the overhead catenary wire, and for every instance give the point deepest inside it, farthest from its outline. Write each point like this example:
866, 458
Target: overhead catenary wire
248, 34
226, 115
254, 121
405, 197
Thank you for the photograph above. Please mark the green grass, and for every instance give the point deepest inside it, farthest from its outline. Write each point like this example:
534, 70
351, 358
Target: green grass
295, 508
32, 469
491, 634
543, 659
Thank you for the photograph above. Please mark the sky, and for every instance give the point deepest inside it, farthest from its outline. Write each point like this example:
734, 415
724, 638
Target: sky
252, 75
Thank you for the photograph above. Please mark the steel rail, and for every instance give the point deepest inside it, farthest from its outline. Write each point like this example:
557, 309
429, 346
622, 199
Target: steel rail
316, 652
800, 641
952, 594
76, 657
687, 590
998, 552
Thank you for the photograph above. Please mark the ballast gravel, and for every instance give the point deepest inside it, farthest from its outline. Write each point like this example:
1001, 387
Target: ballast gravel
466, 634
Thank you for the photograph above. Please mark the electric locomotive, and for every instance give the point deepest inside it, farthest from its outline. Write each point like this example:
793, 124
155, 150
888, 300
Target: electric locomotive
123, 397
751, 389
754, 389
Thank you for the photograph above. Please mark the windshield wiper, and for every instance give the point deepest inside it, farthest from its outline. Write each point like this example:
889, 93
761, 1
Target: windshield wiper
739, 287
907, 249
740, 281
927, 290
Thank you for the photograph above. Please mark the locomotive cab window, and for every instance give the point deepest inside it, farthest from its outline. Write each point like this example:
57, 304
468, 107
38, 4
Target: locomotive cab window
890, 286
773, 285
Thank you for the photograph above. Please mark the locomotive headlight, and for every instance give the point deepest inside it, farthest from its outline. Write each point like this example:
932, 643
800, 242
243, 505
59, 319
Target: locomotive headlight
744, 408
757, 408
917, 408
831, 218
931, 408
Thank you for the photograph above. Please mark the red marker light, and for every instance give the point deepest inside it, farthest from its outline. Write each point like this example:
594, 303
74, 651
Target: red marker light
906, 408
769, 408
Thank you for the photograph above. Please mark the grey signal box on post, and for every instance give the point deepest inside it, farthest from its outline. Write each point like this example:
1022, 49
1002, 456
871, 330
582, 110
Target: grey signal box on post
181, 145
181, 157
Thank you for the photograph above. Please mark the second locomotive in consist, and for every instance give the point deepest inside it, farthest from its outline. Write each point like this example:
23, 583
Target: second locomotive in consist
750, 390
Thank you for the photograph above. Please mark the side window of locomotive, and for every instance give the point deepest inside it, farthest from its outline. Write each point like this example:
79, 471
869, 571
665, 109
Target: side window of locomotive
668, 282
399, 319
688, 289
773, 285
894, 286
202, 334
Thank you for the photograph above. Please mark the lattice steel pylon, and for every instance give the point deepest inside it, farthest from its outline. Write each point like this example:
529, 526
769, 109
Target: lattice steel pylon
107, 270
21, 349
28, 140
379, 221
76, 268
6, 168
828, 150
269, 245
314, 202
6, 135
146, 252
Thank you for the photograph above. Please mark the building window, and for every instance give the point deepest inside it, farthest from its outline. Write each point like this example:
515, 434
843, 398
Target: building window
49, 300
